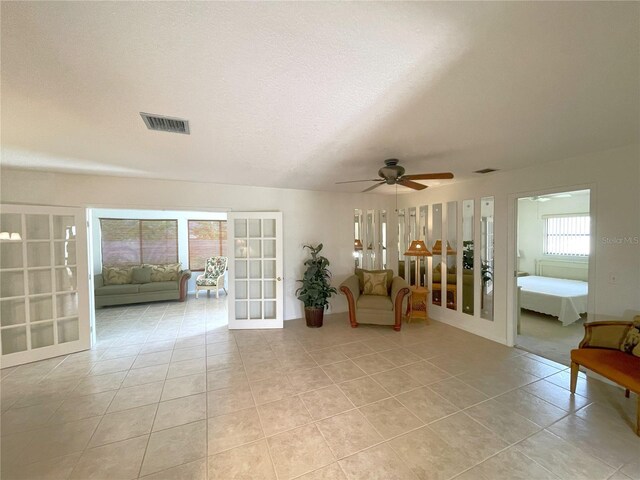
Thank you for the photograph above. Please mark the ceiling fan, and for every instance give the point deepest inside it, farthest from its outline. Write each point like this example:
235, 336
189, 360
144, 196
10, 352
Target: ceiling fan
393, 174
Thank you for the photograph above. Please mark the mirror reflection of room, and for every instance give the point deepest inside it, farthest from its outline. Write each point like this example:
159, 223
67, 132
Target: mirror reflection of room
486, 257
436, 250
467, 257
357, 235
451, 255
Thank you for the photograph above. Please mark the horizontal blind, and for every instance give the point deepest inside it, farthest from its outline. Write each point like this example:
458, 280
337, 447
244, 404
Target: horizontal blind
120, 242
207, 238
159, 241
127, 242
567, 235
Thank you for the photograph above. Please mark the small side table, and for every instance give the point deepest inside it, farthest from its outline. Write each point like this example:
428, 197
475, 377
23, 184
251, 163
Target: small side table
417, 305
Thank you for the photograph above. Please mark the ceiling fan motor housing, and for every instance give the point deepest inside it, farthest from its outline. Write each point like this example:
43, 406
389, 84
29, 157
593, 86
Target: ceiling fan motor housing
391, 172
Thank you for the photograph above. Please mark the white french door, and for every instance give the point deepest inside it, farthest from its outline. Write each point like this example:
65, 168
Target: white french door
255, 269
44, 299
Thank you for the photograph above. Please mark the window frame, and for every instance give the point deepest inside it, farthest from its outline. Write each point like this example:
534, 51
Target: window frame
222, 242
140, 239
572, 255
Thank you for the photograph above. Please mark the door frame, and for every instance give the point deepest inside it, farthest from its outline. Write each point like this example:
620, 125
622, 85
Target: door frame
512, 252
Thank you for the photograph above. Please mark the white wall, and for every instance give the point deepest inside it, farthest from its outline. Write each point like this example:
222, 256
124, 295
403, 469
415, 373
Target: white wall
614, 176
308, 216
183, 232
531, 225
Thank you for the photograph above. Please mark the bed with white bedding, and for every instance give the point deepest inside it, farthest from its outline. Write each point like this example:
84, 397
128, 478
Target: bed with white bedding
565, 299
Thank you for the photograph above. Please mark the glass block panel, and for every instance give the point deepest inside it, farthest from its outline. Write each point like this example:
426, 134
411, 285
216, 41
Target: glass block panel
67, 304
14, 340
269, 249
65, 252
241, 289
40, 308
255, 289
240, 227
39, 282
269, 269
11, 222
255, 250
41, 335
241, 268
64, 227
270, 289
255, 310
241, 310
66, 279
11, 255
255, 269
12, 312
269, 228
241, 248
270, 310
68, 330
38, 254
255, 230
12, 284
37, 227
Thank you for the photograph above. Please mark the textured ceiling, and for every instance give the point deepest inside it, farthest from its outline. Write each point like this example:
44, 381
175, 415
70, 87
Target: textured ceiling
301, 95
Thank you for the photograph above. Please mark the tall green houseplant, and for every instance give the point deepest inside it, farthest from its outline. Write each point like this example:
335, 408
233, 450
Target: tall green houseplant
316, 288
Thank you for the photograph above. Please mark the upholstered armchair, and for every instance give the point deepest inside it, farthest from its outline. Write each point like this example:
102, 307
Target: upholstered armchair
213, 276
375, 297
611, 349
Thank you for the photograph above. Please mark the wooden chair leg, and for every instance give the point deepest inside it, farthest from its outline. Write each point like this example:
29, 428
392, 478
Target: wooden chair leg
626, 392
574, 376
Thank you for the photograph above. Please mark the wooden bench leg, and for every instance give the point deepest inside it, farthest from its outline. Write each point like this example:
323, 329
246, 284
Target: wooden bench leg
574, 376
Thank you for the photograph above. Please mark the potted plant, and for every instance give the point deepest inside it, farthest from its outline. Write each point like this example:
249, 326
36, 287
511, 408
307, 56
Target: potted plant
316, 289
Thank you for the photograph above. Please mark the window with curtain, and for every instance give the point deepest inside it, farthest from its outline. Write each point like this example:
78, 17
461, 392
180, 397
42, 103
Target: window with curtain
127, 242
207, 238
567, 235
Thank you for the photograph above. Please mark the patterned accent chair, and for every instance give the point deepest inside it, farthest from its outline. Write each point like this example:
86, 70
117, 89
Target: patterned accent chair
213, 276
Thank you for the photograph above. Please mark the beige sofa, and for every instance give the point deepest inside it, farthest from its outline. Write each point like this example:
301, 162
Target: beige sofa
128, 291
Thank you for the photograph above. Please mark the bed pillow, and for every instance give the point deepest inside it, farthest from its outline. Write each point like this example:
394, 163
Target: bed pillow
116, 275
631, 343
375, 283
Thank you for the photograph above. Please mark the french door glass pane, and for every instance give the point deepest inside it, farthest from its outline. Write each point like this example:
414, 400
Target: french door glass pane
14, 340
64, 252
38, 254
11, 255
42, 335
40, 308
66, 279
39, 282
68, 330
11, 223
12, 312
67, 305
64, 227
12, 284
38, 227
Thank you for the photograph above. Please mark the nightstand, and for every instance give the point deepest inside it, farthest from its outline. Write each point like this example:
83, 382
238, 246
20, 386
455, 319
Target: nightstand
417, 304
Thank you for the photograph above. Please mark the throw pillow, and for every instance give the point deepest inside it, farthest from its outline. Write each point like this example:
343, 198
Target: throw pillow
375, 283
631, 343
141, 275
360, 274
164, 273
116, 275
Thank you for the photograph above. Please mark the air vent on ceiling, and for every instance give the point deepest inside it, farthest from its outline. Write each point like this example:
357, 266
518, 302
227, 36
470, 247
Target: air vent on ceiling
165, 124
486, 170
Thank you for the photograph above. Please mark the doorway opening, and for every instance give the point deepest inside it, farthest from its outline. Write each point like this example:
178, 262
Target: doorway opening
144, 265
552, 269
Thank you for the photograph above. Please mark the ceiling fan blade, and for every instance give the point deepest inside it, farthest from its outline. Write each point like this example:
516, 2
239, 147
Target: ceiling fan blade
374, 186
410, 184
429, 176
356, 181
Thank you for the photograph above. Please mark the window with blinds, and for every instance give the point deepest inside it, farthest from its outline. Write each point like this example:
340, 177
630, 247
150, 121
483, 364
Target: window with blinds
127, 242
567, 235
207, 238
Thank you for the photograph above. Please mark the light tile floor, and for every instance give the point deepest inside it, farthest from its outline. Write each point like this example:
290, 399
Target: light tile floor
170, 393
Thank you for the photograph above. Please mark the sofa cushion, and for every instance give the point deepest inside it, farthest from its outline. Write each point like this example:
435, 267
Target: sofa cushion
116, 275
631, 342
117, 289
164, 273
375, 302
141, 275
158, 286
620, 367
360, 275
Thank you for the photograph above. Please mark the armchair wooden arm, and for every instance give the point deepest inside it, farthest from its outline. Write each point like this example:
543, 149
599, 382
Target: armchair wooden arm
604, 334
399, 290
351, 288
185, 275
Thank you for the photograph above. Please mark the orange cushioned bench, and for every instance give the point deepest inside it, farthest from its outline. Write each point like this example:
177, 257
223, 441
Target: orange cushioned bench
600, 352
